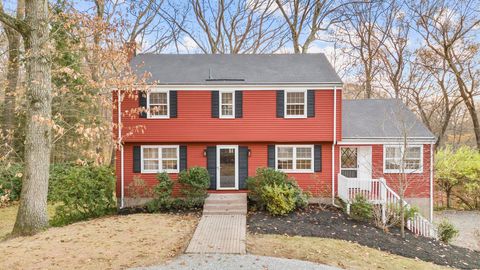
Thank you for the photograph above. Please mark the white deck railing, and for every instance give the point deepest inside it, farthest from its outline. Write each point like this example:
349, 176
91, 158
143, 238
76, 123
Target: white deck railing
377, 191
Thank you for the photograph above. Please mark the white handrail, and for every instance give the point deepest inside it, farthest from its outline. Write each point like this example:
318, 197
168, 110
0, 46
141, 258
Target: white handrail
376, 191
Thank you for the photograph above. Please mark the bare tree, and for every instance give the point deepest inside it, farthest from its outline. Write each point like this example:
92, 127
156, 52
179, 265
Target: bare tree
365, 31
436, 97
228, 26
32, 213
307, 18
13, 72
449, 29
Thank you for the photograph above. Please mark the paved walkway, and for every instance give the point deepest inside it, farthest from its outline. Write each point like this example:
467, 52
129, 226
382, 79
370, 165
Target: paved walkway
236, 262
222, 228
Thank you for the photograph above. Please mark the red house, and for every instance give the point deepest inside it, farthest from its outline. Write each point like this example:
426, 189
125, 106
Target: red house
235, 113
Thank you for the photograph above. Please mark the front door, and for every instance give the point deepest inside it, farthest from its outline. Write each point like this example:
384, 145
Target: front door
356, 162
227, 167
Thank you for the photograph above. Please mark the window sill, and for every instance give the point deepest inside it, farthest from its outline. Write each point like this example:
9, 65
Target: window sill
419, 171
154, 172
297, 171
295, 116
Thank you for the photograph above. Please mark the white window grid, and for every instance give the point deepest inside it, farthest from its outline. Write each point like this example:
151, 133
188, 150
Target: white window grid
161, 160
295, 159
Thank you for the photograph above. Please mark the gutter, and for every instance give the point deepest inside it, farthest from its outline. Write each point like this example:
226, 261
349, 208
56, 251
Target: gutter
334, 142
431, 182
120, 144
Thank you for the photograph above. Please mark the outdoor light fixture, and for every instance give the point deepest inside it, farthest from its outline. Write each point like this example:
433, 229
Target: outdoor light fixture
249, 152
204, 152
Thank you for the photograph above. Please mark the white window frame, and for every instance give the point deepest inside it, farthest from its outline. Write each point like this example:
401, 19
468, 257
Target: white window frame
402, 149
286, 115
294, 165
220, 103
160, 159
168, 104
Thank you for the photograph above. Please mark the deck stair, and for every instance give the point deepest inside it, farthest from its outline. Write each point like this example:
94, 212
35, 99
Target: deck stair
376, 191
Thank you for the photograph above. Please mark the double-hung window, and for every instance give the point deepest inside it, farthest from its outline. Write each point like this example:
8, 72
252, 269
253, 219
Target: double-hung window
227, 104
295, 104
294, 158
407, 158
158, 105
160, 159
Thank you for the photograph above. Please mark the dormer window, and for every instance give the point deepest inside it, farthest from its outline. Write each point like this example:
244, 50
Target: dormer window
295, 104
227, 104
157, 104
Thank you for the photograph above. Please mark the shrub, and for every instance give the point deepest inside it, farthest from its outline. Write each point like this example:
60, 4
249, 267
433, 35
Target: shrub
195, 182
279, 199
268, 177
164, 188
83, 192
361, 209
10, 182
446, 231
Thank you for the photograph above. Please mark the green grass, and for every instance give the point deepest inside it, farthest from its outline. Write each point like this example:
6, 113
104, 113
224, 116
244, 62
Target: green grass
8, 216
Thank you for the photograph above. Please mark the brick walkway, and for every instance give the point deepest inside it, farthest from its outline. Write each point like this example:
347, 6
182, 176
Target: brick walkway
222, 228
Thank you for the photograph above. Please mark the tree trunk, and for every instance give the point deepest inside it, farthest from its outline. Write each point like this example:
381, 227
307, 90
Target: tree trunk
13, 69
449, 194
32, 213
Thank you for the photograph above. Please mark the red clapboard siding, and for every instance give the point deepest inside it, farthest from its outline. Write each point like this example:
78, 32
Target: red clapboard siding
258, 124
318, 183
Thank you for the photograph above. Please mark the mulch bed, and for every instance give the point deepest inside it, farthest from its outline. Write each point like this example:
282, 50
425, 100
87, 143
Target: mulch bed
330, 222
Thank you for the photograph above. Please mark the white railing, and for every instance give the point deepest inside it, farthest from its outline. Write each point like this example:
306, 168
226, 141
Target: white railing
377, 191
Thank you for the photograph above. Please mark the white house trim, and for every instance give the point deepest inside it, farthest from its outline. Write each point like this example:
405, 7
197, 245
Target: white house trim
243, 87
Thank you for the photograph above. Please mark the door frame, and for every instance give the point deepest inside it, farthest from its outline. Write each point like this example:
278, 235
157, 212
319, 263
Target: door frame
235, 147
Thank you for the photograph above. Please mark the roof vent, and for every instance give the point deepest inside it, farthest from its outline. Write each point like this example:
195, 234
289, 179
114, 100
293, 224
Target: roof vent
211, 79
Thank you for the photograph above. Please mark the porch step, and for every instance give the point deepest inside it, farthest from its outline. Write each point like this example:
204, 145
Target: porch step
220, 204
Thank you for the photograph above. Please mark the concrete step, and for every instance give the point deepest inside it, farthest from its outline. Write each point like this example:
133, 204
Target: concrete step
219, 201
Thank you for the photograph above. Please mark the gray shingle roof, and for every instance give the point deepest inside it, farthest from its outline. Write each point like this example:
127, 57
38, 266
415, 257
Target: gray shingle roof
197, 69
380, 118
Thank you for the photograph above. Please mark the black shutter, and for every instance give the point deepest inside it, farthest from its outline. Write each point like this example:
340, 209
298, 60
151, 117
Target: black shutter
212, 165
242, 166
317, 155
173, 104
311, 103
215, 104
142, 103
238, 104
280, 103
183, 157
137, 163
271, 156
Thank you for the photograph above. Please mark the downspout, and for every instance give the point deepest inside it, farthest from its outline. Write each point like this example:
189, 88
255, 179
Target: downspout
431, 182
334, 142
120, 144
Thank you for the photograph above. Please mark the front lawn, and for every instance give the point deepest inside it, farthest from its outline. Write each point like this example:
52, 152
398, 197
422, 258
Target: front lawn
114, 242
333, 223
8, 216
332, 252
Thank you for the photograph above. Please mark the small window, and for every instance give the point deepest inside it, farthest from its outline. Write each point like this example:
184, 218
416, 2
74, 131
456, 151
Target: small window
157, 103
394, 161
159, 159
297, 158
295, 104
227, 104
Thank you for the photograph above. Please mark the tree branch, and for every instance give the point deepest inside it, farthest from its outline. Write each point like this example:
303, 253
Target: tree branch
18, 25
